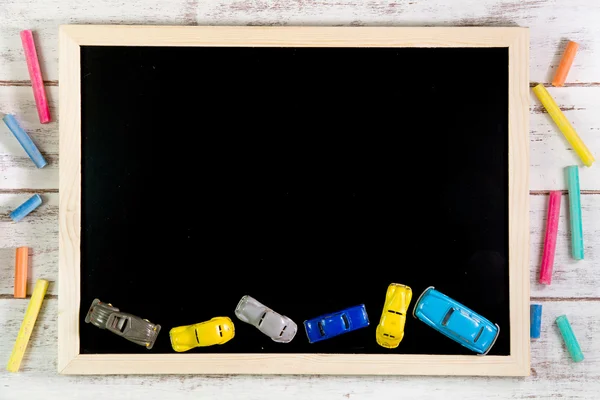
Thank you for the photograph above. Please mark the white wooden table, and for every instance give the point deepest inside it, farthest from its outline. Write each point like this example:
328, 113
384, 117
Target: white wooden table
576, 286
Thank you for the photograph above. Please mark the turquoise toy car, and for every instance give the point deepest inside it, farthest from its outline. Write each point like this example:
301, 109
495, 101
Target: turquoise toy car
456, 321
331, 325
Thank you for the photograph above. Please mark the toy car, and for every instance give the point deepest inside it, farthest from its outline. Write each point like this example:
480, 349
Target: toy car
331, 325
130, 327
390, 330
456, 321
278, 327
218, 330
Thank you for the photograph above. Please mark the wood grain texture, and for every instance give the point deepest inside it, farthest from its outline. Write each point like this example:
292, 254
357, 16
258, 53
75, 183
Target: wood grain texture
555, 23
296, 364
549, 150
69, 206
518, 200
291, 36
553, 374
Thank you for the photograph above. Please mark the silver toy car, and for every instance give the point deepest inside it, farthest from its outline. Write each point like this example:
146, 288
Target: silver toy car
132, 328
278, 327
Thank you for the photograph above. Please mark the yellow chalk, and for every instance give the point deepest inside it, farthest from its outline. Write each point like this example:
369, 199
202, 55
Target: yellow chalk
33, 309
564, 125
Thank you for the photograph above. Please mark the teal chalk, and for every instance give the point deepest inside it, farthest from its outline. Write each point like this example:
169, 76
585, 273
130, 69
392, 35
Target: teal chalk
569, 337
31, 204
575, 212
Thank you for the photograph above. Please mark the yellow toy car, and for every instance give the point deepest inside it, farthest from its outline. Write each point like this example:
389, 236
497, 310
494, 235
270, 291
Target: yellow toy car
218, 330
390, 330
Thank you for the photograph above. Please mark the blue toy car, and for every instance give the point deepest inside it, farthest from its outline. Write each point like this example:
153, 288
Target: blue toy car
456, 321
331, 325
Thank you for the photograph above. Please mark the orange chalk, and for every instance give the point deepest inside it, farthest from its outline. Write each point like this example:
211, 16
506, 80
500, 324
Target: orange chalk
22, 258
565, 64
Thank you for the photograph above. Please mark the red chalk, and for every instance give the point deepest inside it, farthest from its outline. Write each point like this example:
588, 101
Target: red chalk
550, 238
35, 74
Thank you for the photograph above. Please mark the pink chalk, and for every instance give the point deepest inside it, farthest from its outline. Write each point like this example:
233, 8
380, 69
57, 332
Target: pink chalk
35, 74
550, 238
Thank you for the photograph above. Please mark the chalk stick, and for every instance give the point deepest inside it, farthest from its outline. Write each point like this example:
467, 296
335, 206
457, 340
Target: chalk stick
550, 238
21, 265
575, 212
31, 314
25, 141
564, 125
569, 337
535, 318
31, 204
565, 64
35, 74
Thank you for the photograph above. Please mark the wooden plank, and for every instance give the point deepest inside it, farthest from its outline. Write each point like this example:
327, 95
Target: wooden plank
291, 388
549, 151
39, 230
292, 36
553, 373
16, 168
554, 22
69, 215
518, 201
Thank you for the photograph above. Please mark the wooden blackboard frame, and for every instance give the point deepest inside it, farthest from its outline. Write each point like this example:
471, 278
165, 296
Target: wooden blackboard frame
69, 359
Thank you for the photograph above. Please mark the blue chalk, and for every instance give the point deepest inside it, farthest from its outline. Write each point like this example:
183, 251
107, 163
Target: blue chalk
25, 208
575, 212
23, 138
535, 320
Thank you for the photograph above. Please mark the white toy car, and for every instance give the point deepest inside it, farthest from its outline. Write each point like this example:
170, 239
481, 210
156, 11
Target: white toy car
278, 327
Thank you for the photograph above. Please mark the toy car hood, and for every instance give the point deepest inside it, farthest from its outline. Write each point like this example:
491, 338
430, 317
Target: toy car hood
278, 327
250, 310
133, 328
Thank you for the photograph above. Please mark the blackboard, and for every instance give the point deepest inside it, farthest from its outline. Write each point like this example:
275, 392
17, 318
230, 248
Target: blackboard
307, 167
308, 178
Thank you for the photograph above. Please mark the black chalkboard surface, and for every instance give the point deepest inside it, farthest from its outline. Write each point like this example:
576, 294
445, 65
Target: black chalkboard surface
308, 178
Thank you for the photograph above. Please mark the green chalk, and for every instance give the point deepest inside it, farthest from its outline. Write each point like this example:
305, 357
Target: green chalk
569, 337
